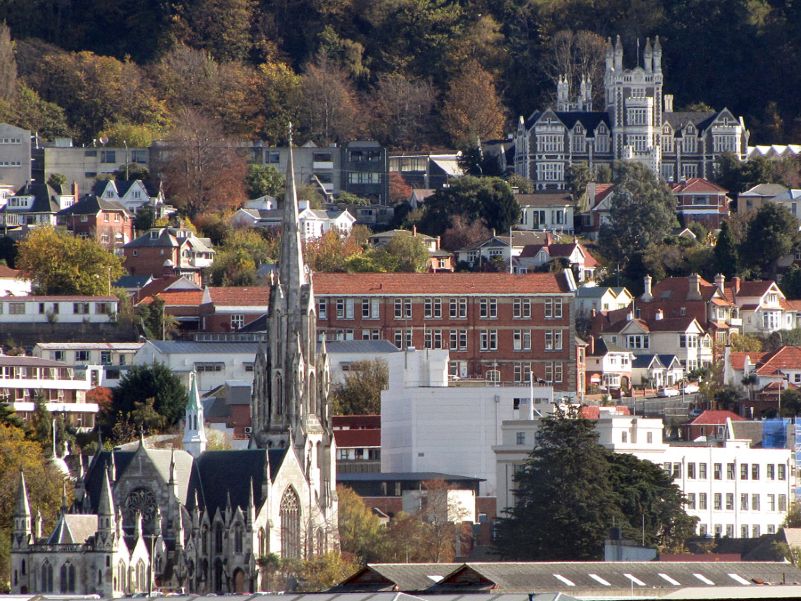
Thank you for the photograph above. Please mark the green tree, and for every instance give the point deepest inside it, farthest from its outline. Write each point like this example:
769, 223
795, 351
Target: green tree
18, 453
264, 180
404, 253
153, 322
564, 487
642, 214
772, 234
60, 263
577, 176
27, 109
221, 26
523, 184
360, 393
726, 256
361, 533
57, 182
155, 381
8, 64
239, 258
489, 199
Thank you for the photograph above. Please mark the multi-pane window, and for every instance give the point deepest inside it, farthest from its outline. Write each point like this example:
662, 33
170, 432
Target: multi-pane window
690, 470
637, 116
754, 471
237, 321
688, 142
432, 308
743, 471
370, 308
702, 500
771, 471
725, 143
730, 469
557, 372
729, 501
638, 341
718, 471
550, 143
488, 340
691, 500
403, 308
457, 308
522, 340
754, 502
782, 469
553, 308
522, 372
457, 340
550, 172
771, 502
432, 339
782, 502
638, 142
553, 340
743, 501
702, 471
488, 308
322, 308
521, 308
717, 501
403, 338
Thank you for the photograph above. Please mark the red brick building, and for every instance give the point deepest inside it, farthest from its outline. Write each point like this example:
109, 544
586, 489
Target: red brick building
699, 200
105, 221
181, 250
497, 326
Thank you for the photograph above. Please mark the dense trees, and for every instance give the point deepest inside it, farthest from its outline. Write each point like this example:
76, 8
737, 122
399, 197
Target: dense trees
572, 484
155, 383
360, 393
404, 60
60, 263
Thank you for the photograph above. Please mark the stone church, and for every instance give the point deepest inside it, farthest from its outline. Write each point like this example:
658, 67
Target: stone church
637, 122
206, 521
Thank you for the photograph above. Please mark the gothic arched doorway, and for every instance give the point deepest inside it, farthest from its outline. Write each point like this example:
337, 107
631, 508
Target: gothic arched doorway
218, 576
239, 581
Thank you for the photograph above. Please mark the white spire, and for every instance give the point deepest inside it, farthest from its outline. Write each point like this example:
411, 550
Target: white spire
194, 430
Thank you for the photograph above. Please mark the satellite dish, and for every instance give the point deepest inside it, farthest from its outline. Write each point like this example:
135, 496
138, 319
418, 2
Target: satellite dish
103, 140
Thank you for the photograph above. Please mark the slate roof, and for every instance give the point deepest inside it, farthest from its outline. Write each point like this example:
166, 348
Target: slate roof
764, 190
394, 576
43, 199
544, 199
204, 348
361, 346
700, 119
595, 291
417, 284
218, 474
91, 205
644, 361
589, 119
72, 529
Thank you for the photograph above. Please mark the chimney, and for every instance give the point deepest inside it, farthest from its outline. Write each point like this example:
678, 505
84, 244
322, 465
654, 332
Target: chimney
646, 295
735, 283
720, 283
629, 316
75, 190
694, 292
439, 241
659, 315
668, 103
591, 340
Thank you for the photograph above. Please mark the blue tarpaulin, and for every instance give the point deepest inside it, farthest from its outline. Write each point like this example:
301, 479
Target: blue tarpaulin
774, 433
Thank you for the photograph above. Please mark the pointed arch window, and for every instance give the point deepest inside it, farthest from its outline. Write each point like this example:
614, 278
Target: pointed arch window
67, 577
121, 579
218, 538
279, 394
47, 577
290, 525
238, 538
141, 578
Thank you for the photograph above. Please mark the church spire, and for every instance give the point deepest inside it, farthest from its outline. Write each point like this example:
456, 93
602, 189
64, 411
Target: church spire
22, 516
22, 508
194, 430
292, 272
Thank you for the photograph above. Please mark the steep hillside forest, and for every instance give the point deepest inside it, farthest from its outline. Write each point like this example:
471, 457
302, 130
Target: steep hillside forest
410, 73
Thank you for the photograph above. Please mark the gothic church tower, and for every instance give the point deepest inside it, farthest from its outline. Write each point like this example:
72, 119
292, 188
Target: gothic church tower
290, 406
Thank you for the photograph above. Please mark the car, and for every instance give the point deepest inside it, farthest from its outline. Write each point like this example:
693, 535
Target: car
690, 388
667, 392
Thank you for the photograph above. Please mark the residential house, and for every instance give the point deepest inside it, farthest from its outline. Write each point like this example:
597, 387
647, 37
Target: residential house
177, 248
608, 365
502, 248
32, 205
711, 425
635, 123
24, 380
699, 200
656, 371
427, 170
131, 194
497, 326
546, 211
789, 199
316, 222
374, 215
773, 373
13, 283
599, 197
106, 362
756, 196
227, 409
439, 260
228, 309
682, 337
762, 306
15, 156
598, 299
105, 221
570, 255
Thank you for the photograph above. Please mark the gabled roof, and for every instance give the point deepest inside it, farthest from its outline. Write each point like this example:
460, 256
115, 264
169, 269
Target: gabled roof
750, 287
715, 417
7, 273
545, 199
235, 296
44, 198
763, 190
91, 205
73, 529
785, 358
677, 289
647, 362
700, 119
396, 576
737, 358
697, 185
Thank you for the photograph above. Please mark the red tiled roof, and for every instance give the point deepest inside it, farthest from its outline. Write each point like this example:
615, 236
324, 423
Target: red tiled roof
257, 296
737, 359
675, 289
793, 305
601, 192
594, 411
786, 357
7, 272
777, 386
697, 185
750, 288
176, 298
715, 417
438, 283
361, 437
156, 285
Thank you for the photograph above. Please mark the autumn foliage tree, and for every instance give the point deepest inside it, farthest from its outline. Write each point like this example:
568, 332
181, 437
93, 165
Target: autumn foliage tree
472, 109
329, 108
200, 166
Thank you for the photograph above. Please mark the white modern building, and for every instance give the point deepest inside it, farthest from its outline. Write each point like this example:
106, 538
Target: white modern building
429, 424
58, 309
734, 487
106, 361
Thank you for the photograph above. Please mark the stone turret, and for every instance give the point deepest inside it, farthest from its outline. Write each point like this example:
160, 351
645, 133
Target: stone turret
194, 429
